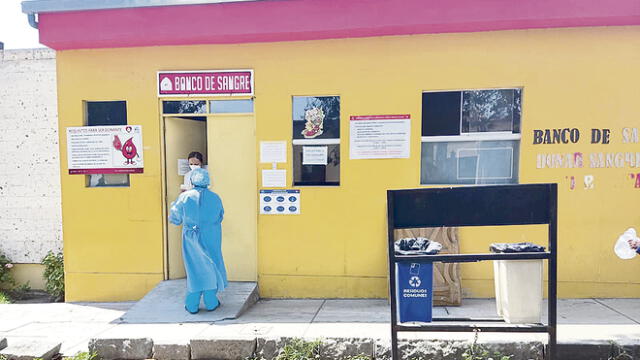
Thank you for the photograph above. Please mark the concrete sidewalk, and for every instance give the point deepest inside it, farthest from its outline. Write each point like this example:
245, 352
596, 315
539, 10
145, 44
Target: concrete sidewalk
587, 328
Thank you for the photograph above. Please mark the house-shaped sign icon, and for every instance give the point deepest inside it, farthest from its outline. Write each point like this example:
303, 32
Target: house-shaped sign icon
165, 84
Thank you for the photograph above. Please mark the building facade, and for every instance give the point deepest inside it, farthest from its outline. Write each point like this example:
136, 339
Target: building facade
486, 94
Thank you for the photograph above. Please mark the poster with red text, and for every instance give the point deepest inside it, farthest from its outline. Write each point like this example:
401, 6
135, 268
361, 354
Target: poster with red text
105, 149
379, 136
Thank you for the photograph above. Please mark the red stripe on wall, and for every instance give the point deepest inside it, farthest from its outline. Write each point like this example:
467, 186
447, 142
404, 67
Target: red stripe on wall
290, 20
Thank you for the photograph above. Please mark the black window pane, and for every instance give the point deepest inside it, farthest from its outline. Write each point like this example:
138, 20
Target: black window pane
441, 113
317, 174
184, 107
104, 113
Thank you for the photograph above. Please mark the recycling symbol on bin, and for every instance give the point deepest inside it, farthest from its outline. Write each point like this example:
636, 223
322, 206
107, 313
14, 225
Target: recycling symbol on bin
415, 281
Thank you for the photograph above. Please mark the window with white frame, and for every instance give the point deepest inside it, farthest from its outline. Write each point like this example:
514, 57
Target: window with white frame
106, 113
471, 136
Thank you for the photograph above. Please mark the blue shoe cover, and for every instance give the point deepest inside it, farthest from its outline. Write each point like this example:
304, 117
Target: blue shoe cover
192, 302
211, 301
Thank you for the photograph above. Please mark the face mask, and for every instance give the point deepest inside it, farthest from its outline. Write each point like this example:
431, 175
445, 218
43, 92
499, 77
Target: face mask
193, 167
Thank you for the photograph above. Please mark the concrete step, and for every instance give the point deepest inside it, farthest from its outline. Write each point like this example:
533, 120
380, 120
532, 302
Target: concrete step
165, 304
25, 348
444, 347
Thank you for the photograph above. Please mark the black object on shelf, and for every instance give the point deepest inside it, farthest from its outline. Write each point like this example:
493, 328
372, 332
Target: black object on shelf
515, 247
417, 246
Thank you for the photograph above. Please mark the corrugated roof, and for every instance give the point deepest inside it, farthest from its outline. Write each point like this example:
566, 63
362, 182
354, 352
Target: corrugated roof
48, 6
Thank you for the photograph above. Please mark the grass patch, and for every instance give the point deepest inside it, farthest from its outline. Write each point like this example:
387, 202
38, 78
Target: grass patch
83, 356
299, 349
478, 352
4, 299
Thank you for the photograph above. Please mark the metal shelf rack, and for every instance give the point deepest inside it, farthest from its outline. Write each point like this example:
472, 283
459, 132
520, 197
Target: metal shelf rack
495, 205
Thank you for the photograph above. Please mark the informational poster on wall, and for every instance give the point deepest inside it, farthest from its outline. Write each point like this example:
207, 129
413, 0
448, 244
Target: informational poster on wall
105, 149
273, 151
274, 178
380, 136
183, 166
279, 202
315, 155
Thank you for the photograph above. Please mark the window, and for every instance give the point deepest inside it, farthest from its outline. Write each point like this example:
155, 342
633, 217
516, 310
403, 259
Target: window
470, 136
316, 140
106, 113
231, 106
201, 106
184, 107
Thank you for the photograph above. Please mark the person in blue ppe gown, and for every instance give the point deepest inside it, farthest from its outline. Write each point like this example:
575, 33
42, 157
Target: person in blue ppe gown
200, 212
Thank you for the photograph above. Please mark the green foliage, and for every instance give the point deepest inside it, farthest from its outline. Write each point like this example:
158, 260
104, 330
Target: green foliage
26, 287
4, 299
299, 349
479, 352
84, 356
54, 274
6, 279
618, 353
20, 292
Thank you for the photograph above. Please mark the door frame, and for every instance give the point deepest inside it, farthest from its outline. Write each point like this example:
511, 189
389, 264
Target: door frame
163, 161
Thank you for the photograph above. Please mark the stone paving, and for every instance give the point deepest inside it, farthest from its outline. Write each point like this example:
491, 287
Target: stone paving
593, 323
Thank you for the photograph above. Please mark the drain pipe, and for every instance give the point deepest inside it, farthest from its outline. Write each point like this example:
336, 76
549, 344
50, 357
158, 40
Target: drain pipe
32, 20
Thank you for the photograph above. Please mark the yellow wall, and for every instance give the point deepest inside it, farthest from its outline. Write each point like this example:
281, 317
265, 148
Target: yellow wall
113, 245
30, 274
337, 248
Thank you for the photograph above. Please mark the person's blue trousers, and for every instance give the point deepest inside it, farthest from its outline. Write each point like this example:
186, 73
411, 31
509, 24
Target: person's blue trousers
192, 301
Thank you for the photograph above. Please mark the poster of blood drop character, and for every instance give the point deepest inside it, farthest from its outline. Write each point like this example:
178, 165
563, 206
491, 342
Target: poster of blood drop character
105, 149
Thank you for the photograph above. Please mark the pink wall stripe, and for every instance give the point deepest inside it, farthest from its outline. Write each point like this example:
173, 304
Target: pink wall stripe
288, 20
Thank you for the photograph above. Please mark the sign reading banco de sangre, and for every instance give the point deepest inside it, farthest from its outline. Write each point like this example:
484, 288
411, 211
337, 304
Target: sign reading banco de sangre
205, 82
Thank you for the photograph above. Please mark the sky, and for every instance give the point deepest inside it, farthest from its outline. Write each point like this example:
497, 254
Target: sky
15, 31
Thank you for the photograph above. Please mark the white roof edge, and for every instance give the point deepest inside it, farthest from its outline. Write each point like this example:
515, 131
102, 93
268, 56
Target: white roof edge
47, 6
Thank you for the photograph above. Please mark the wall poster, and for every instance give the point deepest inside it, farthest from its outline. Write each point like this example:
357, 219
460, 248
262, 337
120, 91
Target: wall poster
380, 136
105, 149
279, 202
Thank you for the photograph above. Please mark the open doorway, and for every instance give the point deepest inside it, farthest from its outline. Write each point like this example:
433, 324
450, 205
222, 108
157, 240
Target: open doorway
223, 130
183, 135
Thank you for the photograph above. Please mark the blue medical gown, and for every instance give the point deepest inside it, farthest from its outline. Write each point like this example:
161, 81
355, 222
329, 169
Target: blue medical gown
200, 212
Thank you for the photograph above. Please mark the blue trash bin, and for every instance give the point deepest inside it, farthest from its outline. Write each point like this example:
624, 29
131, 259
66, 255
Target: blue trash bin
414, 283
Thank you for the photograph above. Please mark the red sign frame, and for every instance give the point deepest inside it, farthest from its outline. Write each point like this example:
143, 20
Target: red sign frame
205, 82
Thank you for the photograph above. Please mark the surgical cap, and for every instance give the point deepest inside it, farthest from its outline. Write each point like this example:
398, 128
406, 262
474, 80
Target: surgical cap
200, 178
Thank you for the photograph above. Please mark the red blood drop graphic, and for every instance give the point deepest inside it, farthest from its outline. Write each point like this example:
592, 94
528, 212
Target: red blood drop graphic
129, 150
116, 142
